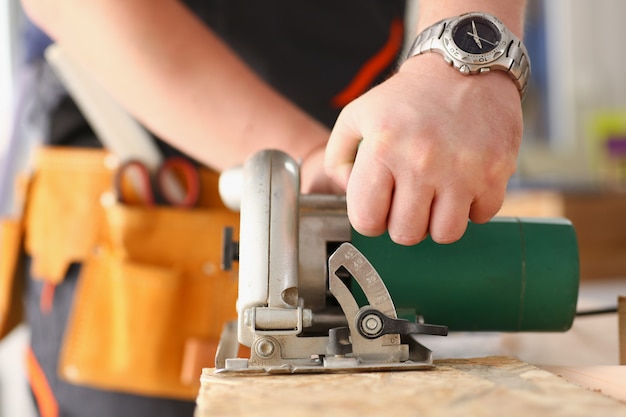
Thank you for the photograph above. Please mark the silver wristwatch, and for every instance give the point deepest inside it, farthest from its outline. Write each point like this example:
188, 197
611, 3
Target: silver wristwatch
475, 43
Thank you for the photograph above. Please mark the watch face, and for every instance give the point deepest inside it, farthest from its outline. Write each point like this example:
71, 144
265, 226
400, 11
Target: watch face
476, 35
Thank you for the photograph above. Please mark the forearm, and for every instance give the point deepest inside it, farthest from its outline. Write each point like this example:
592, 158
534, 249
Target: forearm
182, 82
511, 13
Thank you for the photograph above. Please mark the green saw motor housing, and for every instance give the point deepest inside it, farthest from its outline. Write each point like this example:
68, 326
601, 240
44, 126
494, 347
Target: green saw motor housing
510, 275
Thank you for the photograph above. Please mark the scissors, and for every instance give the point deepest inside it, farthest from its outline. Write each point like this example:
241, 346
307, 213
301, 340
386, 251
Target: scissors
175, 182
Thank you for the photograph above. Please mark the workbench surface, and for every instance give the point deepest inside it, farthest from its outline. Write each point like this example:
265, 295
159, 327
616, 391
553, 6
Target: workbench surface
492, 386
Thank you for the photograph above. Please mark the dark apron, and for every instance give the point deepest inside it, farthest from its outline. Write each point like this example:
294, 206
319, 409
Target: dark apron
310, 51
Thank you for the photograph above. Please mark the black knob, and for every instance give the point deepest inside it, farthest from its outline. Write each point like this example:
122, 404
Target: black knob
230, 249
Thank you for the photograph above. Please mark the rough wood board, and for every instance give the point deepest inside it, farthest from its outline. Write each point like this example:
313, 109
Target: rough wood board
494, 386
609, 380
621, 324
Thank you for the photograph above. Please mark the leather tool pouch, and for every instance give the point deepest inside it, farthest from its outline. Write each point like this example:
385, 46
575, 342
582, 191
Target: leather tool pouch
11, 306
12, 265
151, 299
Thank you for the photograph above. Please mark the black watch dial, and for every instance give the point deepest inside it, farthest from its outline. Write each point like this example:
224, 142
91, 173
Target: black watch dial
476, 35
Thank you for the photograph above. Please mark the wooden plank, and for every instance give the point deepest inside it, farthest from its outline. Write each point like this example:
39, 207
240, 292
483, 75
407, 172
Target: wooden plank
493, 386
609, 380
621, 324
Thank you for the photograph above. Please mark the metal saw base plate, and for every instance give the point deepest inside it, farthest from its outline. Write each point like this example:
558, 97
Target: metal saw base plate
329, 367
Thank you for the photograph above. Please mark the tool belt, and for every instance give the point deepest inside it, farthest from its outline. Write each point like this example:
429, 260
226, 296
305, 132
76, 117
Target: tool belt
11, 286
151, 298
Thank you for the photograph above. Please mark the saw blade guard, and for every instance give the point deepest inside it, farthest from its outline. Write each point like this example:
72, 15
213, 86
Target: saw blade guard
268, 244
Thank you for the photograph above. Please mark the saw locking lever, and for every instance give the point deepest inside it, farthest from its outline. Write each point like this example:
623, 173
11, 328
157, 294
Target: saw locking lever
371, 324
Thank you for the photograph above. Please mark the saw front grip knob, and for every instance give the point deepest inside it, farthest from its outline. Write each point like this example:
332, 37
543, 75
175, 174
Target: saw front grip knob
230, 187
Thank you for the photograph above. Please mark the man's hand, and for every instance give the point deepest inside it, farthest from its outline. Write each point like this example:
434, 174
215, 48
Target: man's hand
313, 177
435, 148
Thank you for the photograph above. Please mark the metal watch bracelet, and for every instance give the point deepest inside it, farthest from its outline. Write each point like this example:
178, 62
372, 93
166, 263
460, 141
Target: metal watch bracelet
517, 63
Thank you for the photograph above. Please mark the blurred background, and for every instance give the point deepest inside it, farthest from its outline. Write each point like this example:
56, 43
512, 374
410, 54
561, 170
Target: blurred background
9, 23
15, 398
572, 164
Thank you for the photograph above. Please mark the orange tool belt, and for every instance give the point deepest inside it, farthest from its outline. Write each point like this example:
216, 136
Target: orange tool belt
151, 298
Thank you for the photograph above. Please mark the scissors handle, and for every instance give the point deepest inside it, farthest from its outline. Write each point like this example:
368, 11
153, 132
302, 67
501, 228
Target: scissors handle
133, 184
178, 182
175, 183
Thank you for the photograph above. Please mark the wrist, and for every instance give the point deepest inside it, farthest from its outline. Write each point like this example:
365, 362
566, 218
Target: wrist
435, 70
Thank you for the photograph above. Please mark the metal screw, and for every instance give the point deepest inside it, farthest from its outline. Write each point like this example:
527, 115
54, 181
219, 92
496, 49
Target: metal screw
371, 324
264, 347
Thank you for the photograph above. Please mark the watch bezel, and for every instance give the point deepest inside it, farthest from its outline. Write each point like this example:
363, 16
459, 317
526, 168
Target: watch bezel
468, 62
